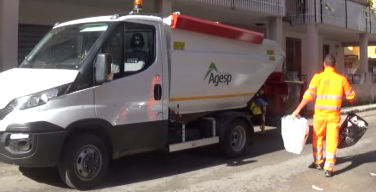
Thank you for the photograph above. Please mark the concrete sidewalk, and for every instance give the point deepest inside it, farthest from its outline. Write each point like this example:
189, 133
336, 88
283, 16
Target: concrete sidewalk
348, 110
358, 109
344, 112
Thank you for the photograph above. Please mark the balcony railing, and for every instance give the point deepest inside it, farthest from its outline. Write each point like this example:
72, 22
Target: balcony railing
373, 78
372, 24
269, 7
356, 16
302, 78
340, 13
354, 78
371, 21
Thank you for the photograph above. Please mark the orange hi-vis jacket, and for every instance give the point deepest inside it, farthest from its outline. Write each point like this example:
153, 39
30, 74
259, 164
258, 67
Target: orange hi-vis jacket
328, 88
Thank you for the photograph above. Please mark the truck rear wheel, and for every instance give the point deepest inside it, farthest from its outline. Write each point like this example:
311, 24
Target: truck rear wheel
236, 139
84, 162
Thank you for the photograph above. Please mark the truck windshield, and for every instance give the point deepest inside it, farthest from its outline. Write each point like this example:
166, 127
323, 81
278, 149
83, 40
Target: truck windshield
65, 47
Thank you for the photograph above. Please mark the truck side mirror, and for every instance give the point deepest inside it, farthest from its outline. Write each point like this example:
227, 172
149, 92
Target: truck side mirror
102, 67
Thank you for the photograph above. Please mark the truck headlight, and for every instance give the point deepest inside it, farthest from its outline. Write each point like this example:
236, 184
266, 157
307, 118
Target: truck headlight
37, 99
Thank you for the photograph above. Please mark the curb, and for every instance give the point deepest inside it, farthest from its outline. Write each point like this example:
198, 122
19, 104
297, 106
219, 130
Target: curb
344, 111
358, 109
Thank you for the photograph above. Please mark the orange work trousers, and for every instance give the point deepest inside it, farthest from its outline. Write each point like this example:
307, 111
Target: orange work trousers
325, 126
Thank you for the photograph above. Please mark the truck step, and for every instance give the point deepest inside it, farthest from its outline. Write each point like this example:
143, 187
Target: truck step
193, 144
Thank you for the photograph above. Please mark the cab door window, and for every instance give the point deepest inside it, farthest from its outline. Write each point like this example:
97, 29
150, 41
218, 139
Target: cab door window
115, 47
133, 49
139, 47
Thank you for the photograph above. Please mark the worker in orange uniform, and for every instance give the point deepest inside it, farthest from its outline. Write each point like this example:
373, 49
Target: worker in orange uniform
328, 88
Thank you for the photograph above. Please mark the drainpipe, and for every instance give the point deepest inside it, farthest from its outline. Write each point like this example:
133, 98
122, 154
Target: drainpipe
320, 10
346, 12
369, 18
315, 12
368, 23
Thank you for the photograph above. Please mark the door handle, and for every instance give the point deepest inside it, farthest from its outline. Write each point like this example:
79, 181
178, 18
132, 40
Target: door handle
157, 91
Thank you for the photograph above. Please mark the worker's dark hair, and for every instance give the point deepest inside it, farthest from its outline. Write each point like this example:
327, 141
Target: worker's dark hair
330, 60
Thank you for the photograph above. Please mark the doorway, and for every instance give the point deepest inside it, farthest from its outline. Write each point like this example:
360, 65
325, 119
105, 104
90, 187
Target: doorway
293, 58
325, 51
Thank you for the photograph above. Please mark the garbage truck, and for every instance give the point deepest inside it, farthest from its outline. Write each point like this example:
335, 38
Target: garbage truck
100, 88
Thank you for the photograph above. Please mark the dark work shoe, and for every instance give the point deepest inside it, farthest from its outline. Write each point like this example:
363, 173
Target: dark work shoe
315, 166
328, 173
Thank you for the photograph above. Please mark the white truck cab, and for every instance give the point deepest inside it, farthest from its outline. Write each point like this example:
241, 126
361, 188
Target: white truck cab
100, 88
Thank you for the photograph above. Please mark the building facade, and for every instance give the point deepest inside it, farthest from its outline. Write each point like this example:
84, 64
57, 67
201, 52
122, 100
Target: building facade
306, 29
24, 22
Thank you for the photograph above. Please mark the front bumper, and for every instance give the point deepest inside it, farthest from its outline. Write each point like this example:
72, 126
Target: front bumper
39, 145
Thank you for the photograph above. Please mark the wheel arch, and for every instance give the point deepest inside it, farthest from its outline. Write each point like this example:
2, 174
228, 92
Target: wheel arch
97, 127
226, 118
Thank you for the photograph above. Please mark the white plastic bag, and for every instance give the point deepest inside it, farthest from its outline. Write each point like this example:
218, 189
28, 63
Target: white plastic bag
295, 131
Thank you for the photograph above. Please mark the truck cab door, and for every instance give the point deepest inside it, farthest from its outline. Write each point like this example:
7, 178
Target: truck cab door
132, 101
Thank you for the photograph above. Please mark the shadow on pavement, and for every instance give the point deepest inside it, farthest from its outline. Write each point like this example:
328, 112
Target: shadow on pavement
153, 166
49, 176
139, 168
356, 161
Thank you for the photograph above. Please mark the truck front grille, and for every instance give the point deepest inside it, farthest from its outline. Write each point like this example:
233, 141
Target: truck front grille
4, 112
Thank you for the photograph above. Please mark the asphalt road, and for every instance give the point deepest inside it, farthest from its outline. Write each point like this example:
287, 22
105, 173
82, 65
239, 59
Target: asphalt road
266, 167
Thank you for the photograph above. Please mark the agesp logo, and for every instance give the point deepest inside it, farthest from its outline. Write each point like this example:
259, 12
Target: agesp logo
217, 78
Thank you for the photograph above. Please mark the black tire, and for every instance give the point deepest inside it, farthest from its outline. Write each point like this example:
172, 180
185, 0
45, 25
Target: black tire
84, 147
226, 146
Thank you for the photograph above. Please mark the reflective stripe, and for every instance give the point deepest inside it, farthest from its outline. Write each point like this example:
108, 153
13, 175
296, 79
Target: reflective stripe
320, 162
317, 157
317, 149
312, 88
327, 164
329, 96
349, 92
330, 156
327, 107
309, 93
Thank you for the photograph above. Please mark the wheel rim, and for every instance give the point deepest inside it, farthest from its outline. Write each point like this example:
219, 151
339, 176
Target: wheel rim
88, 162
238, 137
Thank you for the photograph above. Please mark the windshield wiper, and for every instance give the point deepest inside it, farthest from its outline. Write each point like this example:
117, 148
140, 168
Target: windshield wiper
27, 60
82, 56
44, 63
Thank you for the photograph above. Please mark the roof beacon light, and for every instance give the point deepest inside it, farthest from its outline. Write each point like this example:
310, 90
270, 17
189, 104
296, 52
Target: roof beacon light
137, 6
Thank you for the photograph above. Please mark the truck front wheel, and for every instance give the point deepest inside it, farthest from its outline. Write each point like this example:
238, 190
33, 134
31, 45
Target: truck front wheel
236, 139
84, 162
